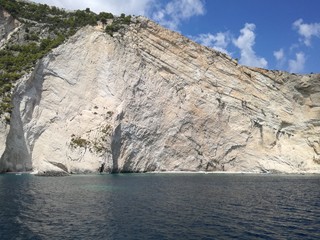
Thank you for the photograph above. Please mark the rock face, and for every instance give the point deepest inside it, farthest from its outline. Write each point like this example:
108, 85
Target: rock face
148, 99
8, 25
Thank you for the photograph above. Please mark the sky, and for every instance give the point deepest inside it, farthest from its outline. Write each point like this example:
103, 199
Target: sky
272, 34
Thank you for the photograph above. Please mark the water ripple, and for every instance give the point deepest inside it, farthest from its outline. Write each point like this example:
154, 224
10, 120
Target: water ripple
163, 206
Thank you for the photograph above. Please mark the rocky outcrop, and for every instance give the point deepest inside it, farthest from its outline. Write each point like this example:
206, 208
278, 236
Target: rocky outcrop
148, 99
8, 25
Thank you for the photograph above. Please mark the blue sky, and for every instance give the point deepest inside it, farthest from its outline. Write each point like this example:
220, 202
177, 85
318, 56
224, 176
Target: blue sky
273, 34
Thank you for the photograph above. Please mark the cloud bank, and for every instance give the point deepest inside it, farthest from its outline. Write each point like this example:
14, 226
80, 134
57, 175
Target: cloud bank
307, 31
219, 41
174, 12
297, 65
245, 43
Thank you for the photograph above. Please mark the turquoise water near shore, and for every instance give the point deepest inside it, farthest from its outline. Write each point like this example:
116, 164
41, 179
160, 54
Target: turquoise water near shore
160, 206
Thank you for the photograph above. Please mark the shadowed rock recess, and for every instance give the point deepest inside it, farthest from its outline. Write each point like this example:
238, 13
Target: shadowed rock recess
149, 99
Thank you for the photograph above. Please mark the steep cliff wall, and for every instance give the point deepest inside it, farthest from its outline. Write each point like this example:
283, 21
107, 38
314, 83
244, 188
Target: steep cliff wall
148, 99
8, 25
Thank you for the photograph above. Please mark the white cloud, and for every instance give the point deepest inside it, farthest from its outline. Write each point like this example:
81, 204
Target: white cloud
245, 43
135, 7
219, 41
297, 65
280, 57
307, 31
176, 11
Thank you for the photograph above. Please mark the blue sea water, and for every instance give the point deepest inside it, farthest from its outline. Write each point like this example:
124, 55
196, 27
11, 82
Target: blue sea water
160, 206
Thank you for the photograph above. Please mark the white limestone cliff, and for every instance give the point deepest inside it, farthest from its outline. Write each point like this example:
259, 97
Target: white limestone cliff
8, 25
148, 99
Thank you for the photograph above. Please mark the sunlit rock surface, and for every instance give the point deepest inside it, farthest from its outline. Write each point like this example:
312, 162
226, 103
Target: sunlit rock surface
148, 99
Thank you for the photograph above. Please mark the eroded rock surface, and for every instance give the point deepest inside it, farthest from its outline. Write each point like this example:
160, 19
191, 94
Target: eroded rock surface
8, 25
148, 99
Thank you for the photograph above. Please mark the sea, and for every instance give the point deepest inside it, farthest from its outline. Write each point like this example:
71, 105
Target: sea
160, 206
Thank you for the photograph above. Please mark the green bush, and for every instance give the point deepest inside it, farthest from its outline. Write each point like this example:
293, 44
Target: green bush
127, 19
105, 15
79, 142
114, 27
117, 24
